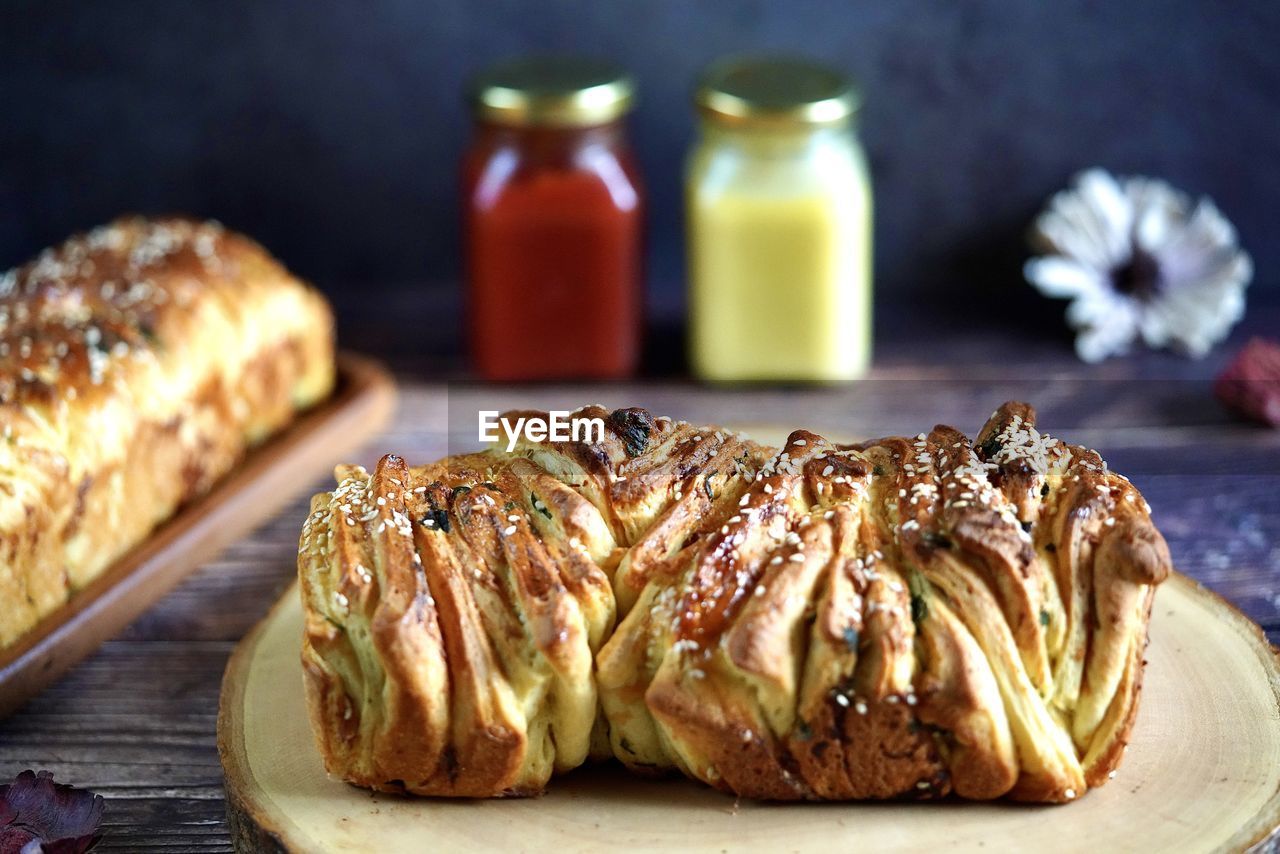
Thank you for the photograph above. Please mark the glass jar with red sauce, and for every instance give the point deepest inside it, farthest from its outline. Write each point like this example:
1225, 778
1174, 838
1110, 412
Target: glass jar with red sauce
553, 205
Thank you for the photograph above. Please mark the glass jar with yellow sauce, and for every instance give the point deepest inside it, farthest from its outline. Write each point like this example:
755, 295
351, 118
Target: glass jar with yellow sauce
779, 225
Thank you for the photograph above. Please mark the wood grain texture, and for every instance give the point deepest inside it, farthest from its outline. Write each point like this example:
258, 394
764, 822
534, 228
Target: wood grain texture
362, 400
136, 720
1202, 772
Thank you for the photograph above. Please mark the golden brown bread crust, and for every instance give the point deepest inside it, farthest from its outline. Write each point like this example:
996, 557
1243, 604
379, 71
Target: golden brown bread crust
137, 363
900, 618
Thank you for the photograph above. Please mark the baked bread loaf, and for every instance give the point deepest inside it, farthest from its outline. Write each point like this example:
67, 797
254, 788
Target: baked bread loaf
909, 617
137, 363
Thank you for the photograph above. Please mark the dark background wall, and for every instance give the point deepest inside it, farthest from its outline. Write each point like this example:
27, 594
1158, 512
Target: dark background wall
331, 130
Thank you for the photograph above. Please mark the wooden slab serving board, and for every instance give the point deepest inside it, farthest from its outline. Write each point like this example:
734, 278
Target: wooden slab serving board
1202, 773
264, 482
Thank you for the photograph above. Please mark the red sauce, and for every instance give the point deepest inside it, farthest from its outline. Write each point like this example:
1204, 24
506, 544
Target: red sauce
553, 234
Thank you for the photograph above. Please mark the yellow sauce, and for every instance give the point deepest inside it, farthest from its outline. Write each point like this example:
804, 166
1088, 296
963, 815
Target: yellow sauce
780, 256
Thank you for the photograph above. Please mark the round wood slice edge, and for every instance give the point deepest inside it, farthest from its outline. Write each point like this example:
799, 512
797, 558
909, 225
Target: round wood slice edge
256, 825
248, 822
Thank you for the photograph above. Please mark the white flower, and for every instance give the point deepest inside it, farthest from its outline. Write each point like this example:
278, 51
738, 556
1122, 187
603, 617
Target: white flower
1136, 258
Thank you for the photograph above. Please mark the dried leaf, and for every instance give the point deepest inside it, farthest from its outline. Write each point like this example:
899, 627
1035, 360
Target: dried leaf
1250, 385
39, 816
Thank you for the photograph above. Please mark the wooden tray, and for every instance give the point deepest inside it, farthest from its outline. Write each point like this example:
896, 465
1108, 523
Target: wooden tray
263, 483
1202, 773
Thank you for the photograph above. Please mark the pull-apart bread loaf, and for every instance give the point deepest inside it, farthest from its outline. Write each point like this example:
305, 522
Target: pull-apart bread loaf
137, 363
909, 617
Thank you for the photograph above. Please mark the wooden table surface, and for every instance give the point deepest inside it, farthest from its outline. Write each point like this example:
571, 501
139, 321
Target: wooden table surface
135, 722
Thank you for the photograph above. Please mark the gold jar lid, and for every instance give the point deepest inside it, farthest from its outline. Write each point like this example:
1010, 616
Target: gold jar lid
776, 91
556, 91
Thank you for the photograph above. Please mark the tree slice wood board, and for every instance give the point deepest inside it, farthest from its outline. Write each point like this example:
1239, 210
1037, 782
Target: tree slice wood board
268, 477
1202, 773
